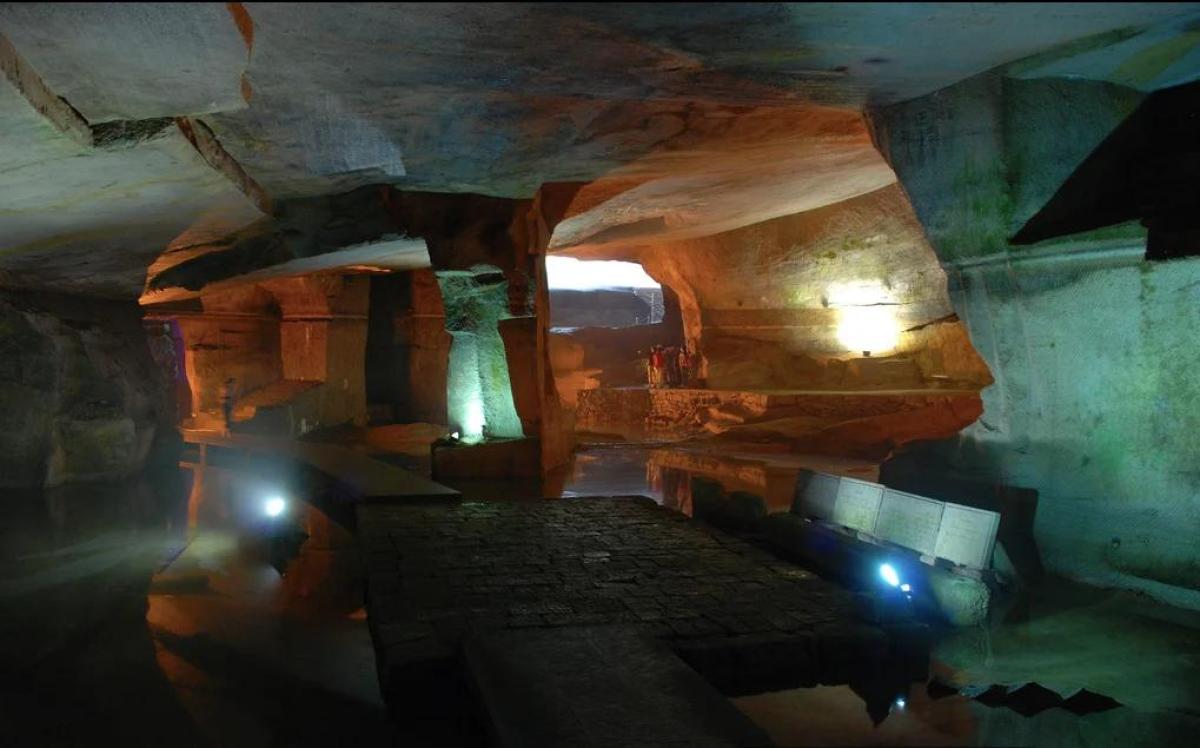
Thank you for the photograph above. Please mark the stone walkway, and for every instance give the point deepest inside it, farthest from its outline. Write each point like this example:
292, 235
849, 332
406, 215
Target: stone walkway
440, 572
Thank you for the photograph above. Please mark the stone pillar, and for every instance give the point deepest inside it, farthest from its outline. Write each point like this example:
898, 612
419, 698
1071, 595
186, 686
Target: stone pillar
408, 348
422, 351
323, 338
487, 255
219, 346
556, 435
520, 349
479, 392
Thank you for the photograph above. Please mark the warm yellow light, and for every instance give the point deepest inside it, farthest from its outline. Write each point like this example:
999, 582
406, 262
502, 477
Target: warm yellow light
868, 328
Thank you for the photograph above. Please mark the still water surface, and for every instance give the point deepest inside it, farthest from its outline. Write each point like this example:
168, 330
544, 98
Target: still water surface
173, 609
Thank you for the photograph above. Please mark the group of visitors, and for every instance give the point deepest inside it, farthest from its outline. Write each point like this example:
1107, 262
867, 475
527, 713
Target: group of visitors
671, 366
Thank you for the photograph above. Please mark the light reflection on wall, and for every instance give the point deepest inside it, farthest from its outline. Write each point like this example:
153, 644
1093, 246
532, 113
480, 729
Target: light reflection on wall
464, 389
866, 317
473, 420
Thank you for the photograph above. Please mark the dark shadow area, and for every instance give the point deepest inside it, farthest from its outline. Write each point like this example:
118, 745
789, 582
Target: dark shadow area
1146, 169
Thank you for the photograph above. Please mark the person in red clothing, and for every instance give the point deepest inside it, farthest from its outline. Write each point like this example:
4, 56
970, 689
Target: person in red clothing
655, 366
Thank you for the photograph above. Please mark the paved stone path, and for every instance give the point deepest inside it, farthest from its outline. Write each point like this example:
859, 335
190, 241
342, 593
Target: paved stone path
440, 572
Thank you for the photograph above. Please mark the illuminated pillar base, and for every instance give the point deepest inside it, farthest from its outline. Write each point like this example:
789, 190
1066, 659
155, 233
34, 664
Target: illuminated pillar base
464, 393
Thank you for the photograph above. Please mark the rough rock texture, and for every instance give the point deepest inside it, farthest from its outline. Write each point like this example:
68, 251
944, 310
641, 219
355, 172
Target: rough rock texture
765, 303
685, 128
602, 307
589, 357
86, 208
606, 357
408, 348
1092, 348
866, 425
82, 397
294, 348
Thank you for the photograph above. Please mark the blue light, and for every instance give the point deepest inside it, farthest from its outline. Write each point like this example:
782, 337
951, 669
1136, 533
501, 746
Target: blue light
274, 506
889, 575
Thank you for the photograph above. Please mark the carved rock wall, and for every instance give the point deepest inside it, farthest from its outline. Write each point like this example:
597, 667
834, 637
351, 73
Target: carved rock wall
767, 302
1095, 399
82, 397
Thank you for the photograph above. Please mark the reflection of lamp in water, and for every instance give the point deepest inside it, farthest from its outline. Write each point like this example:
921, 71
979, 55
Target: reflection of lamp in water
274, 506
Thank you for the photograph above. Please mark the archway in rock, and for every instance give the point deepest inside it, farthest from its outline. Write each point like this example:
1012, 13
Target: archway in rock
605, 316
785, 314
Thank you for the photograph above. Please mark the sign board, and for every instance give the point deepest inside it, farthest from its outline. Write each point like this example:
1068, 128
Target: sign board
960, 534
910, 520
816, 495
967, 536
857, 504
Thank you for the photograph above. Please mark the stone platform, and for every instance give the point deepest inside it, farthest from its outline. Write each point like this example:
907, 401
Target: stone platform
443, 572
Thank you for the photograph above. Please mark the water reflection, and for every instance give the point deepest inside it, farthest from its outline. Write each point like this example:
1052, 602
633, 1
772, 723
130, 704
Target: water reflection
665, 474
172, 609
837, 715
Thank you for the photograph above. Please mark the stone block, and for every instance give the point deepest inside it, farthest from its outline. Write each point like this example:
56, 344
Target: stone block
502, 458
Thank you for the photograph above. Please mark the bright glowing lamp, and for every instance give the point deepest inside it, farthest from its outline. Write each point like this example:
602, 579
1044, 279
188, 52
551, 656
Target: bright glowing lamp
274, 506
888, 573
871, 329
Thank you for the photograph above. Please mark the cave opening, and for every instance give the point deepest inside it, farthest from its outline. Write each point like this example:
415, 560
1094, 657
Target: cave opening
601, 293
828, 380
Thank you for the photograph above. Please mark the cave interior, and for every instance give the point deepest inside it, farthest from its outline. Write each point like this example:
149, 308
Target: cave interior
338, 340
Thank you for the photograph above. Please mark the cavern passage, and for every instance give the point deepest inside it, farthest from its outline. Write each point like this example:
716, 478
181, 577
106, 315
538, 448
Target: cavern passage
606, 374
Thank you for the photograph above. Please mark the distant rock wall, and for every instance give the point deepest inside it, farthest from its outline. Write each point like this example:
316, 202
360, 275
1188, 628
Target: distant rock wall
766, 303
291, 349
590, 357
81, 397
869, 426
408, 348
601, 307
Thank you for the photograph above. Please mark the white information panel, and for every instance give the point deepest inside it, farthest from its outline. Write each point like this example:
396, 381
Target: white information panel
910, 520
857, 504
967, 536
816, 495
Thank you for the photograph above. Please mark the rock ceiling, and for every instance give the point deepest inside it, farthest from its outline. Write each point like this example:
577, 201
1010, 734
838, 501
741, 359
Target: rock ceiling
128, 129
